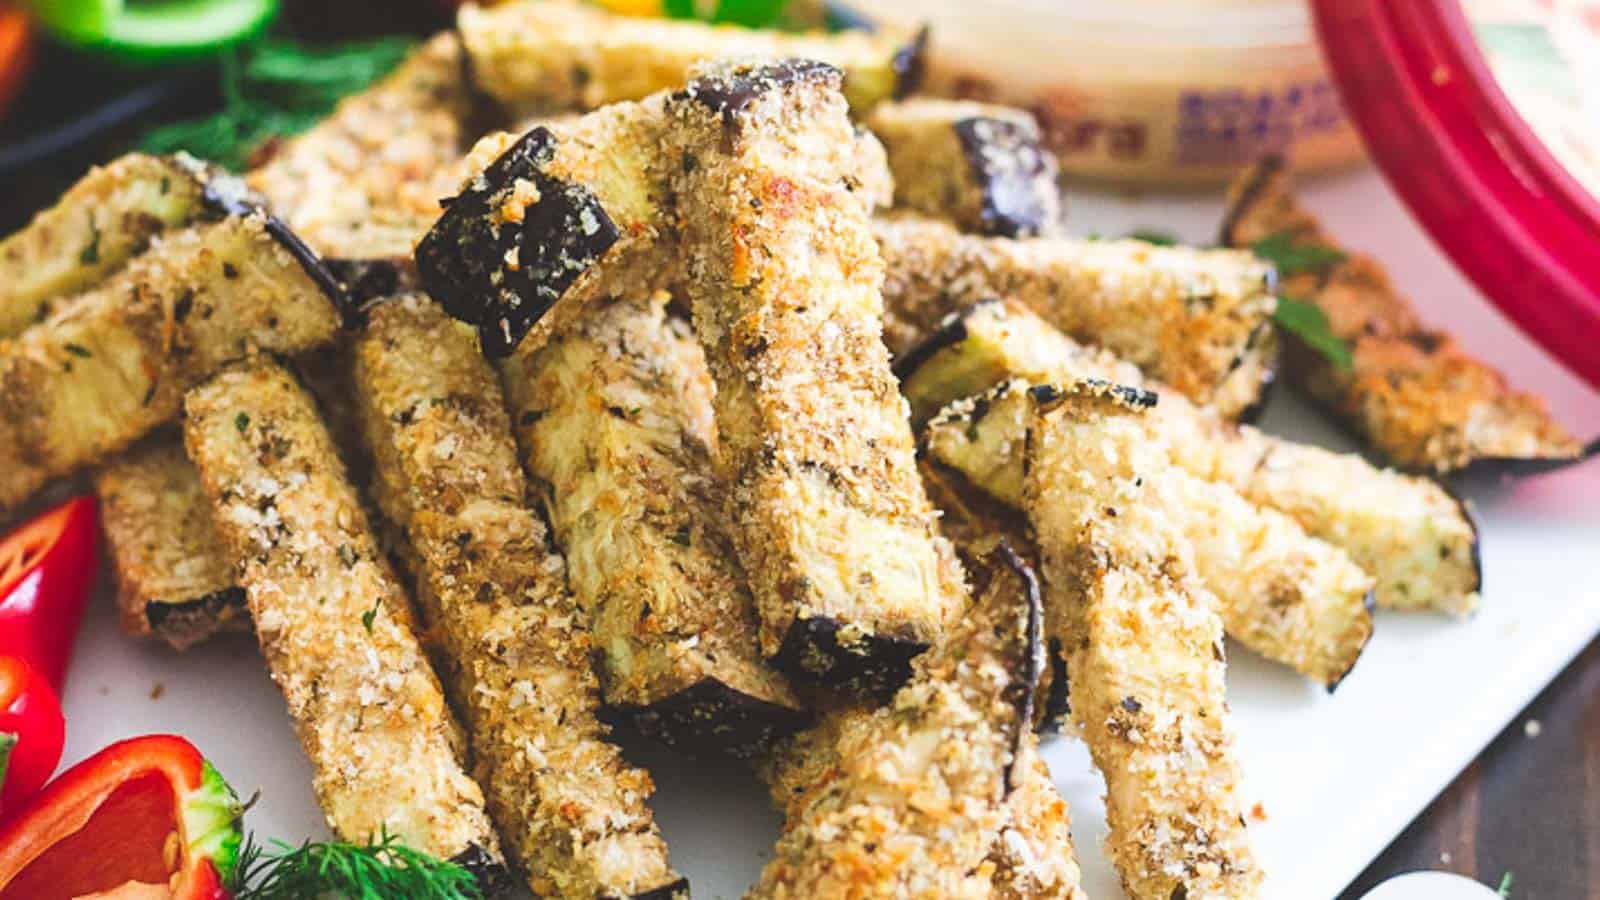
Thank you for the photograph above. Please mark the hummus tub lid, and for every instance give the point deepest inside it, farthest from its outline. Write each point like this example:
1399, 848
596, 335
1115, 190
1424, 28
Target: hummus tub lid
1414, 78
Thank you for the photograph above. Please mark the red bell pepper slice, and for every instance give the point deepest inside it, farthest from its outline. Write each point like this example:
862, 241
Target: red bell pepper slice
31, 732
16, 51
47, 569
147, 816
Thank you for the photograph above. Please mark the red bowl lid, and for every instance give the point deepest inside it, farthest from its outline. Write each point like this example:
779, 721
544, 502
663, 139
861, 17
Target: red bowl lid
1469, 167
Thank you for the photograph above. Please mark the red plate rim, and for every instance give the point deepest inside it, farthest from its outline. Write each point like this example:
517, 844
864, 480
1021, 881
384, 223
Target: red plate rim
1470, 169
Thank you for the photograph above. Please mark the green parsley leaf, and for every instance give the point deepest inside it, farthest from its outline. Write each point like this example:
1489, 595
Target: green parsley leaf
1504, 889
1155, 236
241, 422
1289, 258
276, 88
77, 350
371, 615
1307, 322
90, 254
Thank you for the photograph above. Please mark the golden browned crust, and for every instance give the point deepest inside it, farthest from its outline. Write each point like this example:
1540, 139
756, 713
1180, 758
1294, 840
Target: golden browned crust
572, 810
541, 57
1147, 656
1407, 531
100, 223
115, 363
830, 518
174, 581
910, 799
1033, 855
614, 416
1413, 393
333, 621
365, 183
1198, 320
978, 165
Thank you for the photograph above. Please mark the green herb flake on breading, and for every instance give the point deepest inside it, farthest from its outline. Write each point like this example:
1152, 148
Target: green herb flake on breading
1307, 322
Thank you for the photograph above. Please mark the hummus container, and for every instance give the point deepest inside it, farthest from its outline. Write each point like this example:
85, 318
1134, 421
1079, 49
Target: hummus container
1147, 92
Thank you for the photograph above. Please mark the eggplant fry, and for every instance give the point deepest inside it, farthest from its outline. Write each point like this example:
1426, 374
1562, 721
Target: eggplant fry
568, 215
1412, 393
570, 212
103, 221
365, 183
1410, 533
370, 714
114, 363
980, 166
574, 812
831, 521
1198, 320
1290, 597
174, 580
914, 796
542, 57
1033, 855
614, 417
1147, 654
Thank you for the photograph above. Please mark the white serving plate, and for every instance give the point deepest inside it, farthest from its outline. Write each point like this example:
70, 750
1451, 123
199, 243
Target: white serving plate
1337, 776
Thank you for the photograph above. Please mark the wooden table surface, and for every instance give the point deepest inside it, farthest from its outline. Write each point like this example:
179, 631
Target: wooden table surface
1529, 805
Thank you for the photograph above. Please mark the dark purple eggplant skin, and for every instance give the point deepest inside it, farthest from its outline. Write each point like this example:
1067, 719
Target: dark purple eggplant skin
910, 64
369, 280
494, 879
1014, 174
729, 92
1370, 601
461, 261
1265, 170
1472, 522
180, 618
874, 667
1025, 687
1055, 709
677, 890
950, 333
224, 194
710, 719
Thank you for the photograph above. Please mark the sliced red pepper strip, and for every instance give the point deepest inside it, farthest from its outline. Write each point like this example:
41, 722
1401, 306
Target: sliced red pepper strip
47, 569
16, 46
149, 811
31, 732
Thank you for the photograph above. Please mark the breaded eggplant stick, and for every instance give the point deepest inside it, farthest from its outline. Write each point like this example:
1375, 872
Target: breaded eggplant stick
1198, 320
1416, 539
614, 417
539, 57
573, 813
834, 529
1147, 659
175, 581
915, 794
1412, 393
1292, 598
332, 619
100, 223
1033, 856
365, 183
974, 522
571, 212
114, 363
978, 165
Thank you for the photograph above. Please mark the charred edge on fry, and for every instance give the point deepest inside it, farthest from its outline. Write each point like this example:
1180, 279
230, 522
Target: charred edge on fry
1022, 691
492, 876
910, 65
1010, 168
709, 719
872, 665
1260, 179
729, 93
189, 621
502, 276
228, 195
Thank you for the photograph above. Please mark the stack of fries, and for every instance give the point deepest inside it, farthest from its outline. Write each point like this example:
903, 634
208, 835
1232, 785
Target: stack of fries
735, 396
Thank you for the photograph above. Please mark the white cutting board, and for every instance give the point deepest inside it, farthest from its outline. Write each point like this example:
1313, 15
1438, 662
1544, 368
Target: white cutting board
1338, 777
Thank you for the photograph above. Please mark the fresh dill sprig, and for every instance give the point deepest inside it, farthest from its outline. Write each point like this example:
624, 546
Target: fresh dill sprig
383, 870
276, 88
